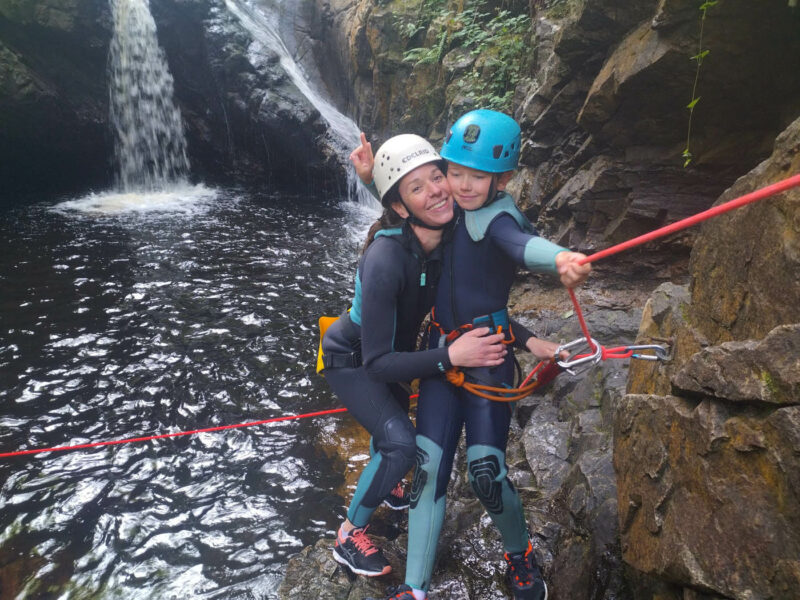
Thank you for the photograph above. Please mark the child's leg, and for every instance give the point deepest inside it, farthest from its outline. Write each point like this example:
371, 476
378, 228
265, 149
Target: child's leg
383, 411
487, 426
439, 423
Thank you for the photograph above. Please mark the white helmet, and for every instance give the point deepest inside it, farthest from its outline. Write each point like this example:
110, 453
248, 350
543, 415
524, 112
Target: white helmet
398, 156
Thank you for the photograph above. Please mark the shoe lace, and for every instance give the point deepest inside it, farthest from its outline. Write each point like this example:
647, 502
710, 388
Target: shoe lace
362, 541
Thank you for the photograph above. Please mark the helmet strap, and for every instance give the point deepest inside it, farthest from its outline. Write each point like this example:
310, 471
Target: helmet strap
492, 195
414, 220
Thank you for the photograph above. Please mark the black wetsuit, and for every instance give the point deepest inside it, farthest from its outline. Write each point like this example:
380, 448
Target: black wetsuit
395, 289
476, 281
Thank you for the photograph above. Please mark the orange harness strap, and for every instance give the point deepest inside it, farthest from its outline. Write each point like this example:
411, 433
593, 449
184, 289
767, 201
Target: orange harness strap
547, 371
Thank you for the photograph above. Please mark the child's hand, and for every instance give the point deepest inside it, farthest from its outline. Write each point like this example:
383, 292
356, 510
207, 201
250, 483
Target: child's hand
363, 160
477, 348
544, 350
572, 274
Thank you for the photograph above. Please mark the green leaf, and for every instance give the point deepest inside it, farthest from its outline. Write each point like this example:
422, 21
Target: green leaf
691, 104
701, 56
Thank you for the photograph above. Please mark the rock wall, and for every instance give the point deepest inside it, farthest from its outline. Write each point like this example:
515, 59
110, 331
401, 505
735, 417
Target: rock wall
603, 109
244, 122
706, 448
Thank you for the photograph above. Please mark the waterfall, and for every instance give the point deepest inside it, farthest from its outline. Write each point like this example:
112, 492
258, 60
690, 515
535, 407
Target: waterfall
262, 25
150, 145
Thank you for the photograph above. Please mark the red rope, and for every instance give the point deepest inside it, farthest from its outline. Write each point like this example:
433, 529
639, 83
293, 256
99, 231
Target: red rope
169, 435
760, 194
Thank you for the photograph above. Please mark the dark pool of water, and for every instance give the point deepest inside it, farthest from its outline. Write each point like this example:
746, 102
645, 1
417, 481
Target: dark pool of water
122, 323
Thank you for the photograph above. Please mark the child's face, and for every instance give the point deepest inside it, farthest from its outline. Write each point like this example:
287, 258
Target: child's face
425, 191
470, 187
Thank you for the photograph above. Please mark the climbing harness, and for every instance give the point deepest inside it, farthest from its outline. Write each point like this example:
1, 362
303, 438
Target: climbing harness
545, 371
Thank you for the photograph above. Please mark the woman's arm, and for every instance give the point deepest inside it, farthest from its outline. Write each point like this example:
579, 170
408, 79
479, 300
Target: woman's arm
381, 284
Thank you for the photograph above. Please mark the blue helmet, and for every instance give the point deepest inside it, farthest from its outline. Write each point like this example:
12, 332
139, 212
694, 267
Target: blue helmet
485, 140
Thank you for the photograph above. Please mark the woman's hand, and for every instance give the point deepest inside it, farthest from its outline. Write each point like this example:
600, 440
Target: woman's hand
571, 272
363, 160
478, 348
544, 350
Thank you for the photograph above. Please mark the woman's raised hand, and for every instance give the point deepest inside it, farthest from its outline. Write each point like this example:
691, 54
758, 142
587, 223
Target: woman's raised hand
363, 160
478, 348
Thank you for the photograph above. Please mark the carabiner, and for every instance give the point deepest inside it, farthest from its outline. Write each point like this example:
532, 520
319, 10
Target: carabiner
661, 353
588, 360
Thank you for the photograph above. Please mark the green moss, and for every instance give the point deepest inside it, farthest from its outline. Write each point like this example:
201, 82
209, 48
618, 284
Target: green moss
499, 38
773, 389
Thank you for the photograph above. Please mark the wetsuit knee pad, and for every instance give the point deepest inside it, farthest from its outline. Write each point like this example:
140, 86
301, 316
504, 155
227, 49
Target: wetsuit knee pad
428, 459
398, 441
487, 470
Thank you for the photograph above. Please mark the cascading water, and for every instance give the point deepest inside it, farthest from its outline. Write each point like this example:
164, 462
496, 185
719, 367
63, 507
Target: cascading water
263, 26
150, 144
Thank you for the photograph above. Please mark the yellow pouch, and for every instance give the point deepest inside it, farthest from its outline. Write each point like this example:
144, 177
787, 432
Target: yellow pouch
324, 323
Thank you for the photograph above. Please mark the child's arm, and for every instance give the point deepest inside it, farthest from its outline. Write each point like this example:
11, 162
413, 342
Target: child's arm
536, 253
570, 270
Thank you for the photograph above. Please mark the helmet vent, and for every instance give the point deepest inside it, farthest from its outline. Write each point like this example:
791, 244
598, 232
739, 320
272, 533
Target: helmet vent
497, 151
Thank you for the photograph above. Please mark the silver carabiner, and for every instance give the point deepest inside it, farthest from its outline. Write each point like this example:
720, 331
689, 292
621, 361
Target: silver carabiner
661, 353
582, 344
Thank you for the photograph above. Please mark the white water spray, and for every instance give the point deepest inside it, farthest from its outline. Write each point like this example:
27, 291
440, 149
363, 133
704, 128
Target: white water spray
263, 26
150, 144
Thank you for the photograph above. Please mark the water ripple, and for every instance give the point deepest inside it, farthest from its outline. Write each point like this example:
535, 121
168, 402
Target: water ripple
141, 323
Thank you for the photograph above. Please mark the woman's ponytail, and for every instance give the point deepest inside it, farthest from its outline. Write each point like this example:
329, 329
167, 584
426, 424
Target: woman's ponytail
388, 220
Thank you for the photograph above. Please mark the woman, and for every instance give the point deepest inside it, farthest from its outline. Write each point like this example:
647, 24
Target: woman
369, 350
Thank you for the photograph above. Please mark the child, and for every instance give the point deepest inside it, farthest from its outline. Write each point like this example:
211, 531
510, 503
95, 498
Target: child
491, 238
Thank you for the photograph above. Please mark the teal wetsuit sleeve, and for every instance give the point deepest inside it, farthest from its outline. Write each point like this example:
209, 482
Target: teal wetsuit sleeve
372, 189
529, 251
382, 282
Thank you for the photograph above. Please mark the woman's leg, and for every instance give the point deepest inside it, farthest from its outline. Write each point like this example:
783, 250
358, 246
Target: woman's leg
382, 409
439, 424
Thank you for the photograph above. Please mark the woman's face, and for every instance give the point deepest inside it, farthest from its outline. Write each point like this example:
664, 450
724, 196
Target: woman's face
426, 193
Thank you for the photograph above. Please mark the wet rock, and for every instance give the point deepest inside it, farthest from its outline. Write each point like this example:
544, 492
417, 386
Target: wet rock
313, 573
706, 448
767, 370
745, 267
706, 493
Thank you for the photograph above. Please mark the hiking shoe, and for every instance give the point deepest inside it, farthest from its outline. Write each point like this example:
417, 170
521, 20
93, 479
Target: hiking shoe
401, 592
398, 498
524, 576
357, 552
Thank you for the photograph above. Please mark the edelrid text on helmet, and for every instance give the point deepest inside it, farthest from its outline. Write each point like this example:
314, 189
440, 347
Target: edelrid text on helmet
485, 140
397, 157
